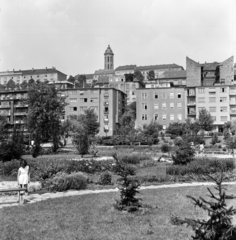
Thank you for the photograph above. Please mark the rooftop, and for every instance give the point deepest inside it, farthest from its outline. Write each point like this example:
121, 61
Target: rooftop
103, 80
104, 72
108, 51
162, 66
173, 74
126, 67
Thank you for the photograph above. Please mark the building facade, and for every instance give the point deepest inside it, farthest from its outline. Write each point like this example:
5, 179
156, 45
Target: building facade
164, 105
108, 103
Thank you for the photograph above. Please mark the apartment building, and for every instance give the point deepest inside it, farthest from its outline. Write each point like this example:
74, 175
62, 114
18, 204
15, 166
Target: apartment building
164, 105
18, 76
108, 103
128, 69
127, 86
211, 86
158, 69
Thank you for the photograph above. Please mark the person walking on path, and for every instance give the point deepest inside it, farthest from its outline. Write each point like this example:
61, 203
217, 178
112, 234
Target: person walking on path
23, 176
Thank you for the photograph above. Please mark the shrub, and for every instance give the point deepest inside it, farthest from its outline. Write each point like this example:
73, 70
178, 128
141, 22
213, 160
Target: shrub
214, 139
11, 150
165, 148
63, 182
9, 168
183, 154
105, 178
219, 223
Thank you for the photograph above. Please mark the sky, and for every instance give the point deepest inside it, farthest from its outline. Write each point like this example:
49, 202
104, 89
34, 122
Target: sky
72, 35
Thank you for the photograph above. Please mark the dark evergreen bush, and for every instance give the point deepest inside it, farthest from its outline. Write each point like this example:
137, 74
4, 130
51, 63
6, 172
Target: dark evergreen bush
11, 150
219, 225
105, 178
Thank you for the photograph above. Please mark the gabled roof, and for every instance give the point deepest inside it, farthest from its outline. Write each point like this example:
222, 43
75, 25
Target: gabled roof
126, 67
173, 74
39, 71
162, 66
104, 72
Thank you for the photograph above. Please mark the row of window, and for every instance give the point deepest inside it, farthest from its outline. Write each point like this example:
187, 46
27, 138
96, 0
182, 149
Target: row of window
213, 109
74, 92
211, 99
83, 99
163, 117
164, 95
212, 90
82, 108
164, 106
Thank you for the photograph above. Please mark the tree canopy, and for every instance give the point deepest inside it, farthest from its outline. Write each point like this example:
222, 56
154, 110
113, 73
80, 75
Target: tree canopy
151, 75
138, 76
11, 84
205, 120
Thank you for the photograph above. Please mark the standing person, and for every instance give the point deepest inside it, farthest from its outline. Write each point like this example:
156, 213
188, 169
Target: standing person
201, 148
23, 176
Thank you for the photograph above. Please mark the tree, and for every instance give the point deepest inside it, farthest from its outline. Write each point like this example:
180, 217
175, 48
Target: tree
191, 127
176, 129
2, 87
11, 84
151, 132
3, 129
84, 127
24, 85
31, 82
151, 75
46, 108
219, 225
71, 79
205, 120
132, 107
138, 76
129, 77
81, 81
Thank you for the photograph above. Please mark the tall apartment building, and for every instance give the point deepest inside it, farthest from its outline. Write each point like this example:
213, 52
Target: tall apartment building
164, 105
211, 86
108, 103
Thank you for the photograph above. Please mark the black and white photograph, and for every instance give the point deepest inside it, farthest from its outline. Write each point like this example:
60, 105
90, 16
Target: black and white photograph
117, 120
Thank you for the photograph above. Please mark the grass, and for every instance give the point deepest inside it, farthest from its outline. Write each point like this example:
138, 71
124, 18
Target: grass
88, 217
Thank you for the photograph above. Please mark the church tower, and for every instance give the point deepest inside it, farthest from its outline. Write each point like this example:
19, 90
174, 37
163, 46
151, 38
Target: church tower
108, 59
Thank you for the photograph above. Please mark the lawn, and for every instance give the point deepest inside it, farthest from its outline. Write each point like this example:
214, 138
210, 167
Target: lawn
92, 216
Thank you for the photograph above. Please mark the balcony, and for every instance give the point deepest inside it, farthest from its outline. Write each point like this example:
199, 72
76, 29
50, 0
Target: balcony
5, 106
233, 111
191, 103
20, 113
232, 102
21, 105
5, 114
106, 112
192, 113
232, 92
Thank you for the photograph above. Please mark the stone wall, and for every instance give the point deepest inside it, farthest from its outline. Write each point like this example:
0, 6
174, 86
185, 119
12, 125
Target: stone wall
227, 71
193, 73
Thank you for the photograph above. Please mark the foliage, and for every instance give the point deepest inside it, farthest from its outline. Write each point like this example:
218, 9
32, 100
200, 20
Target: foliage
63, 182
129, 77
71, 79
3, 129
83, 129
191, 127
80, 81
9, 168
219, 225
24, 85
105, 178
205, 120
214, 139
46, 108
128, 187
165, 148
151, 132
196, 139
202, 166
138, 76
11, 84
176, 129
132, 108
183, 153
151, 75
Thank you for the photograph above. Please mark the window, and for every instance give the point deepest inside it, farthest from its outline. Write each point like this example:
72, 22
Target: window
222, 90
73, 108
155, 105
164, 127
223, 99
144, 95
106, 109
133, 93
200, 109
223, 109
223, 118
93, 99
171, 95
201, 100
95, 108
201, 90
83, 99
212, 99
82, 108
212, 109
179, 95
213, 118
144, 116
81, 92
163, 95
163, 117
179, 105
156, 96
156, 116
73, 92
45, 76
172, 117
106, 103
163, 105
179, 117
73, 99
144, 106
171, 105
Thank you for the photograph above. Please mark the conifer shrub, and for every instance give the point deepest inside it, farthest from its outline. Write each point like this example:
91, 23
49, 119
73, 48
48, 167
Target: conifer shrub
218, 225
128, 187
105, 178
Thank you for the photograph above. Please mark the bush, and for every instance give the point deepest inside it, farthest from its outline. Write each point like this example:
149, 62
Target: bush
9, 168
105, 178
63, 182
11, 150
165, 148
183, 154
214, 139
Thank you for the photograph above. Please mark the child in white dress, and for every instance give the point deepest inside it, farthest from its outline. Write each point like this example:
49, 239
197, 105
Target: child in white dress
23, 177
